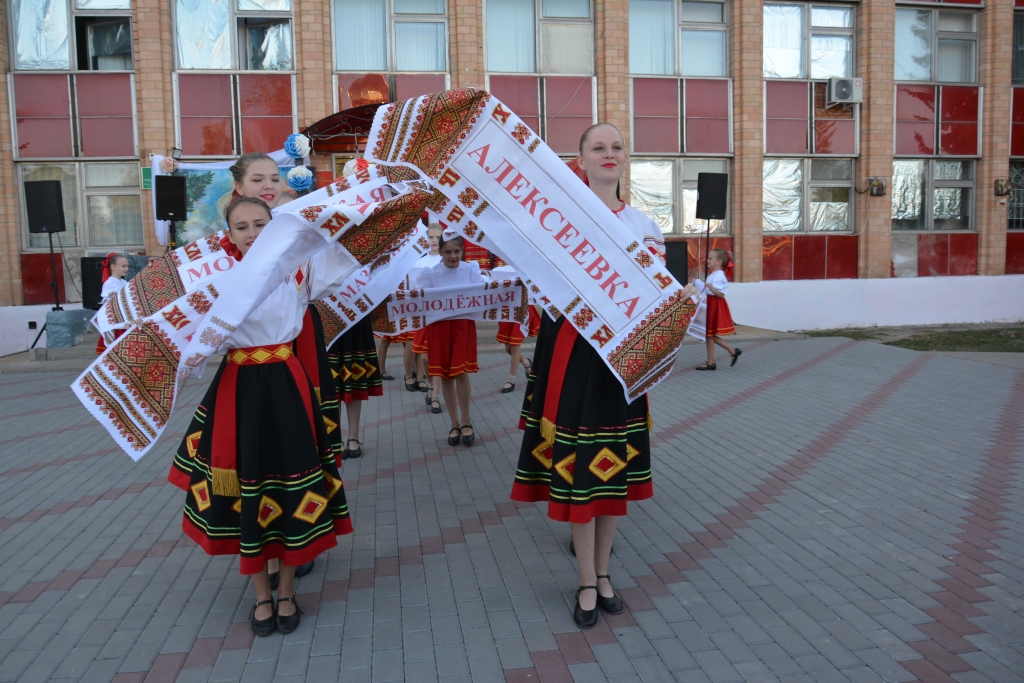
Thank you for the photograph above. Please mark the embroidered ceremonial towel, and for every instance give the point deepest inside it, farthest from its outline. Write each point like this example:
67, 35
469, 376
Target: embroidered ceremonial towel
502, 187
497, 300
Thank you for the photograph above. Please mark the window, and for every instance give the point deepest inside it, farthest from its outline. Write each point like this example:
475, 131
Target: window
1017, 63
932, 194
110, 201
248, 35
1016, 218
808, 41
540, 36
666, 190
390, 35
657, 27
807, 195
82, 35
936, 46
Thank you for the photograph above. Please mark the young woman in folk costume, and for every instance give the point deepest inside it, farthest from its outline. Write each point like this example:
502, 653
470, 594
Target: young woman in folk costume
115, 270
257, 175
451, 344
256, 463
419, 340
586, 450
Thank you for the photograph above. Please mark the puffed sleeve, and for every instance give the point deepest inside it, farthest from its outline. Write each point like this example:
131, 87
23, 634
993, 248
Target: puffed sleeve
423, 280
474, 272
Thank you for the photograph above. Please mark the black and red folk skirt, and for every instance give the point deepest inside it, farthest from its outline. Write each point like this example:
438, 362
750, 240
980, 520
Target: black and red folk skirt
585, 450
544, 326
260, 412
354, 363
451, 348
310, 349
512, 333
719, 321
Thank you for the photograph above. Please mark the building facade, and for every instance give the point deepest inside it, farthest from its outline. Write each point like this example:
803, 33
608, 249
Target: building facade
866, 139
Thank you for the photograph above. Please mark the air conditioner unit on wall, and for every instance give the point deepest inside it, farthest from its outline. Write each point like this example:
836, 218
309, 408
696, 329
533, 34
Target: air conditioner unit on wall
845, 90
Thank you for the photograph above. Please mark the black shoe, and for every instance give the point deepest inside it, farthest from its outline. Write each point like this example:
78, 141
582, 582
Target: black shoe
707, 367
423, 386
735, 357
584, 618
468, 439
410, 383
353, 453
454, 440
612, 605
508, 388
291, 622
304, 569
429, 398
263, 627
275, 578
435, 406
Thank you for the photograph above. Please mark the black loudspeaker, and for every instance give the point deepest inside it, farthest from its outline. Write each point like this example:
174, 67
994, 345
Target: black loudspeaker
712, 189
171, 201
92, 285
45, 206
677, 260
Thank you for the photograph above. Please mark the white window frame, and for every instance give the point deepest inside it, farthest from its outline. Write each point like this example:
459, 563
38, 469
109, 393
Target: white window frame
392, 59
83, 234
538, 41
808, 184
808, 31
680, 25
973, 36
237, 39
679, 185
72, 13
931, 184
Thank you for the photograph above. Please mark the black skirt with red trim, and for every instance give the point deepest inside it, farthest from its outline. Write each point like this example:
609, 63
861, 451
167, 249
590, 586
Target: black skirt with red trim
354, 363
544, 327
292, 503
310, 349
594, 455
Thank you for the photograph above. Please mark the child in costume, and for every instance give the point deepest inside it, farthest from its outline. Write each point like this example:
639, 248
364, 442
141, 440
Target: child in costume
719, 319
115, 270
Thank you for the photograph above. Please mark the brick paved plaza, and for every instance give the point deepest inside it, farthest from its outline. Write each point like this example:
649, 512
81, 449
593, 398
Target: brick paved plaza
827, 510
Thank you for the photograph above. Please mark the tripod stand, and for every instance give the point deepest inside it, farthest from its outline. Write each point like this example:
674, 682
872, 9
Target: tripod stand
53, 283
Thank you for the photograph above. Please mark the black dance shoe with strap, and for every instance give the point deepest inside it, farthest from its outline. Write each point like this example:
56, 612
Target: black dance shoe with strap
291, 622
612, 605
262, 628
585, 618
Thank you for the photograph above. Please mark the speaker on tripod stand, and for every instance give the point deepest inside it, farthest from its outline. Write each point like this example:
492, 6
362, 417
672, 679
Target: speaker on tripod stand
44, 205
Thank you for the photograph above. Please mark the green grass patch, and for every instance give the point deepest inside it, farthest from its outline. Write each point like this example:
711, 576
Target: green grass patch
849, 332
1006, 339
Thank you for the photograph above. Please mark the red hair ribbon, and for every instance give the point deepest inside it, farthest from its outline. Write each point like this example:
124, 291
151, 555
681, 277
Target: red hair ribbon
729, 265
574, 166
362, 164
105, 273
230, 248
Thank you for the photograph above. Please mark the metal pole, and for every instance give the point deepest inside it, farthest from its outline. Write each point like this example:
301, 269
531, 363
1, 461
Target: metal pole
53, 270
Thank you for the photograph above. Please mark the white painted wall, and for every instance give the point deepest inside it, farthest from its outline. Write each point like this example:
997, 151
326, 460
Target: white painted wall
828, 304
15, 336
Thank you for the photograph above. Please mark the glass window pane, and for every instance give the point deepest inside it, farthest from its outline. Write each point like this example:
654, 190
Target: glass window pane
511, 35
782, 196
110, 46
908, 185
783, 41
1016, 216
265, 5
40, 34
956, 60
693, 167
1018, 48
103, 4
691, 225
567, 48
578, 9
270, 44
830, 208
702, 53
957, 21
831, 169
831, 56
419, 6
420, 46
65, 173
706, 12
951, 209
112, 175
953, 170
203, 30
114, 220
831, 17
650, 191
360, 35
913, 45
651, 36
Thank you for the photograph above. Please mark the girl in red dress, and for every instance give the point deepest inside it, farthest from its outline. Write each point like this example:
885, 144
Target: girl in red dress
719, 318
115, 270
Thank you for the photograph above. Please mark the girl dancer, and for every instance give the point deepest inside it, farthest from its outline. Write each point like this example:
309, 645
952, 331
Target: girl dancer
594, 454
419, 340
115, 270
511, 335
451, 344
354, 364
256, 463
719, 318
